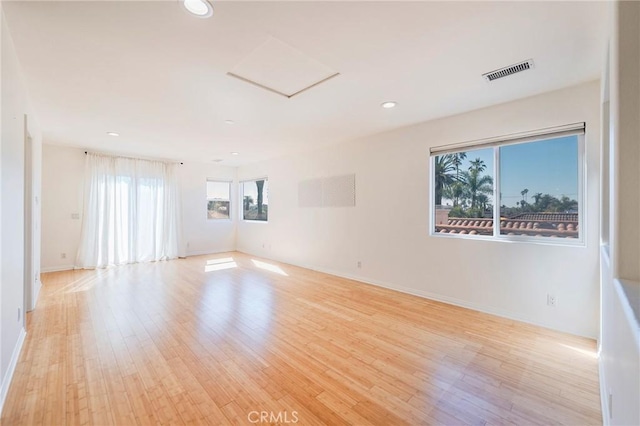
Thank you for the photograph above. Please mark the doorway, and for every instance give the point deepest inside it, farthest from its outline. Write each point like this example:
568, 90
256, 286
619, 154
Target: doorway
31, 273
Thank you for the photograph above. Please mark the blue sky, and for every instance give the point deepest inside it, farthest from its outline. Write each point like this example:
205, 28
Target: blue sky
549, 167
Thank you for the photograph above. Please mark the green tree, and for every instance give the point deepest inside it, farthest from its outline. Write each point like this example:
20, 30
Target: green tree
483, 201
536, 199
548, 203
457, 211
543, 203
566, 204
475, 184
444, 178
524, 205
457, 187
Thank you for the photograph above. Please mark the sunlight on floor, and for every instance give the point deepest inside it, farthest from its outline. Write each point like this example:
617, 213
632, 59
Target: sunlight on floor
221, 260
82, 284
220, 264
589, 354
269, 267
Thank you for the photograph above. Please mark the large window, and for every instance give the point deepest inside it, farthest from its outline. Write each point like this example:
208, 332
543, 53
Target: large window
218, 199
524, 188
255, 200
130, 212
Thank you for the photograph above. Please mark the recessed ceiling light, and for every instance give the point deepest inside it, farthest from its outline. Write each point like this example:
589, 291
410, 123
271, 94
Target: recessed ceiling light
113, 134
388, 104
200, 8
229, 121
235, 153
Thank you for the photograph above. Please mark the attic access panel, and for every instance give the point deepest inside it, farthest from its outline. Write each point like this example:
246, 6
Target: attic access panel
282, 69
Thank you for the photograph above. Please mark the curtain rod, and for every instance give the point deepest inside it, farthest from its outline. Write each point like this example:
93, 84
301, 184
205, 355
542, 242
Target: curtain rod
132, 158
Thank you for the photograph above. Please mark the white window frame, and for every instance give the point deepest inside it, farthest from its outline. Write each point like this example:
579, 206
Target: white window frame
577, 129
228, 182
241, 199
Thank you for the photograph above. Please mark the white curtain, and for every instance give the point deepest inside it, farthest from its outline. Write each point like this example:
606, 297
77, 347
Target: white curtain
131, 212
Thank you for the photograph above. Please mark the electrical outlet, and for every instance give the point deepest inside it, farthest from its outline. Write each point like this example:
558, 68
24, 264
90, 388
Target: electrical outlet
359, 264
75, 215
63, 255
18, 314
551, 300
610, 404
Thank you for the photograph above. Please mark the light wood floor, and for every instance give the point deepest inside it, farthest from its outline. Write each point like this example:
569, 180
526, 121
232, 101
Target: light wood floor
169, 343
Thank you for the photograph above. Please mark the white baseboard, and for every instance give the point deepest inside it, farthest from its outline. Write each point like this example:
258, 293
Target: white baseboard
204, 252
431, 296
57, 268
189, 253
6, 381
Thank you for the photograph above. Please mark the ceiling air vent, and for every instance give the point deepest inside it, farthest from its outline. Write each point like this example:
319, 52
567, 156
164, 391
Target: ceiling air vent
506, 71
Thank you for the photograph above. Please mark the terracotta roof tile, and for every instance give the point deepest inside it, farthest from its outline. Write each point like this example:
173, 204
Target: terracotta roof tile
554, 225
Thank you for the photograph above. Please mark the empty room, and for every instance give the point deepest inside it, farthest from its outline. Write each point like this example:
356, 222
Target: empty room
319, 213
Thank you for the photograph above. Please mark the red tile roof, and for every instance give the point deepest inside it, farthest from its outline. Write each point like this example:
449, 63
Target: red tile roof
552, 217
554, 225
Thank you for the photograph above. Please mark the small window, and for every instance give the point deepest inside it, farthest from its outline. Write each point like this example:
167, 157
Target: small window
255, 200
218, 200
524, 188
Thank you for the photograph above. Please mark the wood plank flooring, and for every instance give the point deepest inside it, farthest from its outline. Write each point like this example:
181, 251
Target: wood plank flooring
233, 339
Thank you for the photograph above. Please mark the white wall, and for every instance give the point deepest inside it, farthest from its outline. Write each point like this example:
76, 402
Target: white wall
15, 106
619, 353
199, 234
35, 182
388, 230
625, 110
62, 196
620, 284
2, 50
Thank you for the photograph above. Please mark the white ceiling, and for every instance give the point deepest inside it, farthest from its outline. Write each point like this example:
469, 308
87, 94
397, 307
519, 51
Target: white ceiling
158, 75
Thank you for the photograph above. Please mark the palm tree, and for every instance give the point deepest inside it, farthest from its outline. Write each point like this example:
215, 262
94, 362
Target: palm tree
457, 161
524, 203
477, 165
443, 178
536, 198
457, 188
476, 183
483, 200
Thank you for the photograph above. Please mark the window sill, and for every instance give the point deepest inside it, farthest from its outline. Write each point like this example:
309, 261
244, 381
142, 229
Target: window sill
546, 241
